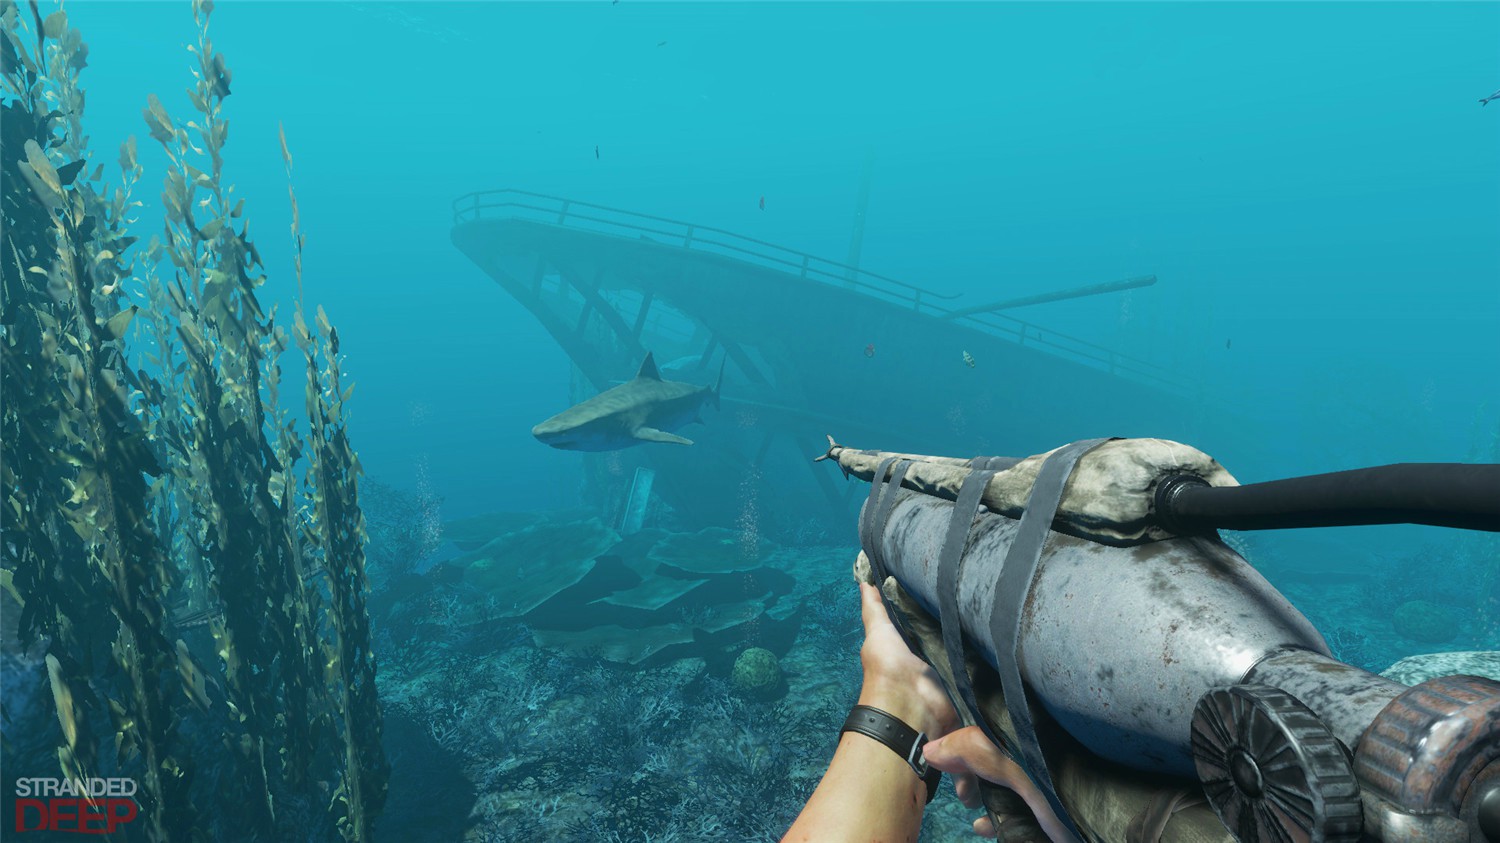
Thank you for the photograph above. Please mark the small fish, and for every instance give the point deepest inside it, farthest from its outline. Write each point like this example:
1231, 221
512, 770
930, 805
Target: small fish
968, 360
870, 350
1486, 100
762, 203
661, 43
1227, 342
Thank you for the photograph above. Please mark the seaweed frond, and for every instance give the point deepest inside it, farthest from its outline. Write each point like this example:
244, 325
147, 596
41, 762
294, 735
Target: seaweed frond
151, 475
94, 577
338, 525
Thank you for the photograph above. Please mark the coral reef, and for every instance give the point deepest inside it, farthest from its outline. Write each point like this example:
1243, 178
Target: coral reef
583, 591
1426, 622
403, 528
1355, 606
563, 747
1414, 669
472, 533
1453, 572
531, 565
568, 735
714, 550
1350, 647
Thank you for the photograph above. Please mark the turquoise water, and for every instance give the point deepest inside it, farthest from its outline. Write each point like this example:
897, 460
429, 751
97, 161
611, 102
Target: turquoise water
1316, 183
1315, 186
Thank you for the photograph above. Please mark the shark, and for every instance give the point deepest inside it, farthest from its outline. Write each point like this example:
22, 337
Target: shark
643, 409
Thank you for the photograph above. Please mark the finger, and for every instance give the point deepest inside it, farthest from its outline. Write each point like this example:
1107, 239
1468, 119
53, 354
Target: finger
864, 604
984, 828
947, 753
948, 720
871, 609
969, 751
967, 789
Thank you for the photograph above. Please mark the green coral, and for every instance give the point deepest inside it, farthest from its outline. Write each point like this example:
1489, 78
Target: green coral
756, 672
1427, 622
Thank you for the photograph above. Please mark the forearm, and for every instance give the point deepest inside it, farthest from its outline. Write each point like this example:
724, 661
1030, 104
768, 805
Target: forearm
869, 794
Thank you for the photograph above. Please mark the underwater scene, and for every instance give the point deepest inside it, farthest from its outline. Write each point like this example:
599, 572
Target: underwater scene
750, 421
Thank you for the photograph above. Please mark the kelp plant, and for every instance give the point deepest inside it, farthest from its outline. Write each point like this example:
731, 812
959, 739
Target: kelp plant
143, 502
90, 572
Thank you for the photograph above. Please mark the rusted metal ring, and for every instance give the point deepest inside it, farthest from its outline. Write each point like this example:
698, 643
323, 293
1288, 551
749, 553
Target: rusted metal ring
1429, 746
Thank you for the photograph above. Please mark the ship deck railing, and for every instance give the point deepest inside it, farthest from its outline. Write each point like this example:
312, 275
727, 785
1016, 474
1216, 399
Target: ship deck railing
602, 219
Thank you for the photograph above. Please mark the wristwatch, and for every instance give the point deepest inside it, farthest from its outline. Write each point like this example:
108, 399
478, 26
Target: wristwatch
901, 738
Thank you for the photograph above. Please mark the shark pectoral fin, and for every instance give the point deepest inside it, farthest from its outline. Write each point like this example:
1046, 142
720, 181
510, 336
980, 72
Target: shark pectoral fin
651, 434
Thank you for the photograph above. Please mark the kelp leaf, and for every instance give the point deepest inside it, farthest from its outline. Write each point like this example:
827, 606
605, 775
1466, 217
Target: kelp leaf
193, 683
117, 324
41, 165
157, 120
219, 76
79, 59
62, 698
67, 172
56, 24
17, 51
197, 176
127, 155
286, 154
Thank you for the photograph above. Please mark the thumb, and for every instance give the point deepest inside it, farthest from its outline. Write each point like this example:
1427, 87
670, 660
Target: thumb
871, 607
946, 754
968, 750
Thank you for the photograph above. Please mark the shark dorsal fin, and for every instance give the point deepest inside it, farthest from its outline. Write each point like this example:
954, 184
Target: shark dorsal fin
648, 369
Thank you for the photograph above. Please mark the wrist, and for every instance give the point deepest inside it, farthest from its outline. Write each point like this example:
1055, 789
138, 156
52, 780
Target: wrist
903, 703
897, 735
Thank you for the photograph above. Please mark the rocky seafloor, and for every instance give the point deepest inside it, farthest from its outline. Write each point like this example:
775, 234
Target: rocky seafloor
512, 715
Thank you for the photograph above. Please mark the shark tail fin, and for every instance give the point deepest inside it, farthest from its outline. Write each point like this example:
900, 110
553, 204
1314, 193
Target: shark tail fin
720, 383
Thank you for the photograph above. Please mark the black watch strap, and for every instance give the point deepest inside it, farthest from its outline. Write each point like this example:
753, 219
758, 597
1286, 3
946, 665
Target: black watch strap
901, 738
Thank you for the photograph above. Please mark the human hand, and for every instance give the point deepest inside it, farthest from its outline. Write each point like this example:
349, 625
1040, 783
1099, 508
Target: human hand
896, 680
968, 753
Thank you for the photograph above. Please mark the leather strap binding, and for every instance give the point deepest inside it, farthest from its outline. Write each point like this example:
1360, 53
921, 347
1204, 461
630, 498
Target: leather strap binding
901, 738
1012, 590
